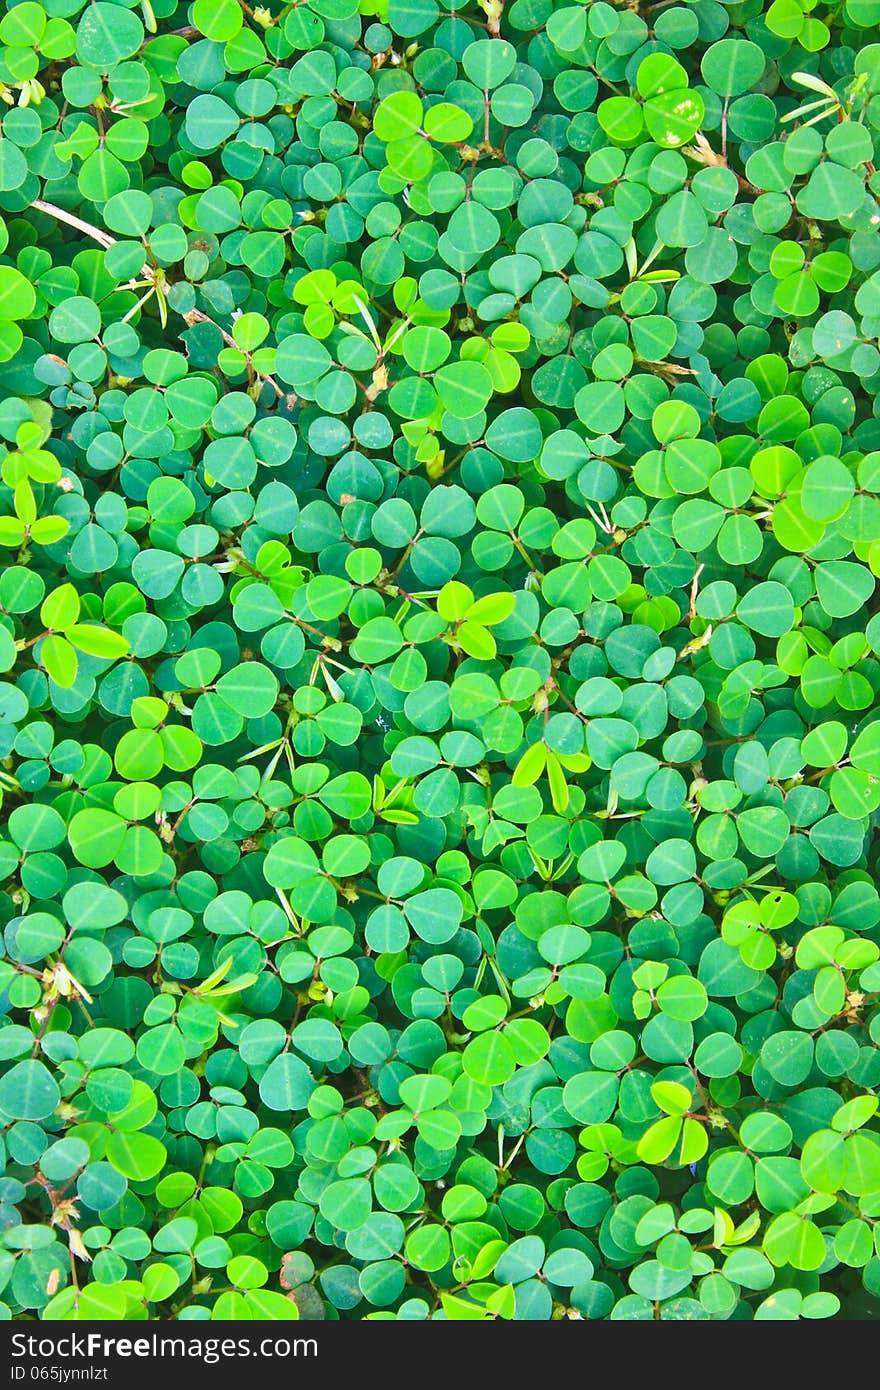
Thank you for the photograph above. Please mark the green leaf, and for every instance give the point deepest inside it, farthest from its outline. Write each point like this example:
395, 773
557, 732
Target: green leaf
28, 1091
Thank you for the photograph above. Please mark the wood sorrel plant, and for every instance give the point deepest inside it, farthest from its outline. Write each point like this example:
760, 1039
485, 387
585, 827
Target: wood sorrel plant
439, 739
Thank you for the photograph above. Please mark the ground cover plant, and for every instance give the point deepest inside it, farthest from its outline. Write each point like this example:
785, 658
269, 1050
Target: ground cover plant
440, 753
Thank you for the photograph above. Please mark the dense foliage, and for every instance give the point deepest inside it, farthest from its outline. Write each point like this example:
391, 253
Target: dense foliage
440, 738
